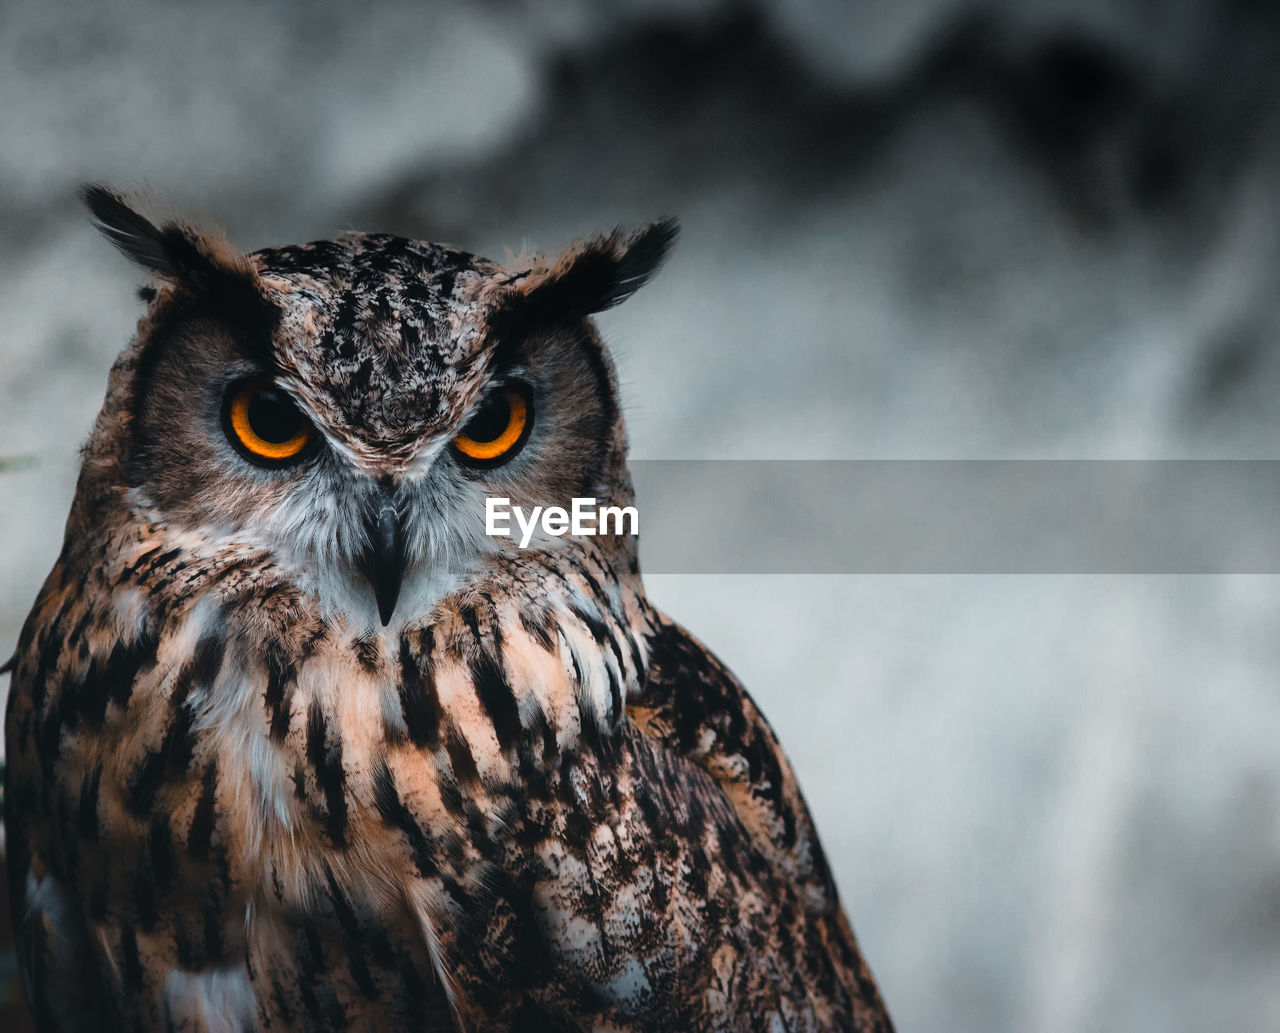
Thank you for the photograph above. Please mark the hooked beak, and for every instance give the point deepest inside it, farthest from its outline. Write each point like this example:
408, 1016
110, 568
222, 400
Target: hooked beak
384, 560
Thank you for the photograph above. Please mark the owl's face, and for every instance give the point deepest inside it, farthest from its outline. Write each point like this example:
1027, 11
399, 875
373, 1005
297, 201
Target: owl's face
347, 406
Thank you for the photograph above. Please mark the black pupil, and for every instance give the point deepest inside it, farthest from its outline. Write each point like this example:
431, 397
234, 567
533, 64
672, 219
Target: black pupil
273, 417
491, 419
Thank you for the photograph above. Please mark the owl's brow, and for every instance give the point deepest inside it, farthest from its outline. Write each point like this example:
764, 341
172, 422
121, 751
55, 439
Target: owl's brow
507, 353
514, 322
516, 318
576, 339
229, 300
233, 299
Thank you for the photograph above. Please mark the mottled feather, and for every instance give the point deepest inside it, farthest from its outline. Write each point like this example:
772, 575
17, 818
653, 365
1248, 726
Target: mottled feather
242, 794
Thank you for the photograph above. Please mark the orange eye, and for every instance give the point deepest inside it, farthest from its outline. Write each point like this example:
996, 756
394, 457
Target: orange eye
499, 428
264, 424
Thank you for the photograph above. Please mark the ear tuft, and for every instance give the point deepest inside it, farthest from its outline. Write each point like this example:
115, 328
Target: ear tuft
591, 276
200, 266
135, 236
604, 271
172, 251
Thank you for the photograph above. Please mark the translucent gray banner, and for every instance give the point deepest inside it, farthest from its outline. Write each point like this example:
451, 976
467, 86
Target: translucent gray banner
959, 516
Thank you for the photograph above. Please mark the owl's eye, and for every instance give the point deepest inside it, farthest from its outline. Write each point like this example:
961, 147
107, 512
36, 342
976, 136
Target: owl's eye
499, 428
264, 424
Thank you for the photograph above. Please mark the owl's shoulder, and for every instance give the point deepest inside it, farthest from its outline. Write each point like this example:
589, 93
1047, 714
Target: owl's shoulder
695, 712
692, 705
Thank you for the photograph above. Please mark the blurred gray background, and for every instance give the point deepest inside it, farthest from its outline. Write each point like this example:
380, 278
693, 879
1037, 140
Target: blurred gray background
911, 229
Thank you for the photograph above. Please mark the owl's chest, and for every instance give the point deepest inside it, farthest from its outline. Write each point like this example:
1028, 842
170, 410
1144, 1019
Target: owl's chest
213, 797
252, 774
225, 811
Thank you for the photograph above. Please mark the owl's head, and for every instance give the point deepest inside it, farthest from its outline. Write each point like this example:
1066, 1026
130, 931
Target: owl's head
347, 406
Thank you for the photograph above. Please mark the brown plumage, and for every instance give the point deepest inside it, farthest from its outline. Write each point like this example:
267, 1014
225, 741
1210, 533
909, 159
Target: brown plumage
294, 745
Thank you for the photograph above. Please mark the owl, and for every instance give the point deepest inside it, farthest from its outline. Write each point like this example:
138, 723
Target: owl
294, 743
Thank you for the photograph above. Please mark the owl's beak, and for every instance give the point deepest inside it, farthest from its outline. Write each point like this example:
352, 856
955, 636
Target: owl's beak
384, 558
